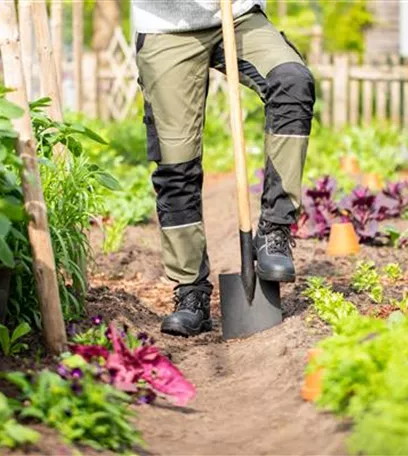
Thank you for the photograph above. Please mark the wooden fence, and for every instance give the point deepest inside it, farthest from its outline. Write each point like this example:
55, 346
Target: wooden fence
355, 94
350, 92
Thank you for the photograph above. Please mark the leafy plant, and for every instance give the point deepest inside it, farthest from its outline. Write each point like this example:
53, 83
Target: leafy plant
11, 344
83, 410
71, 195
13, 434
141, 370
330, 306
393, 271
367, 279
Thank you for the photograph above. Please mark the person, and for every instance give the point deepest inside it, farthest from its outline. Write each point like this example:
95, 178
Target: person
177, 42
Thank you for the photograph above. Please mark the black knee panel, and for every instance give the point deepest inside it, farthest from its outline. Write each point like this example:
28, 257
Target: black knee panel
178, 188
290, 99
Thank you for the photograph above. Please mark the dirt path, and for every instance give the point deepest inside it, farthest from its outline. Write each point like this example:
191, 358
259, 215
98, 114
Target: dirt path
248, 400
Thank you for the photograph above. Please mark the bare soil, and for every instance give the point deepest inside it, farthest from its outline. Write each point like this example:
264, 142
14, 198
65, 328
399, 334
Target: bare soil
248, 400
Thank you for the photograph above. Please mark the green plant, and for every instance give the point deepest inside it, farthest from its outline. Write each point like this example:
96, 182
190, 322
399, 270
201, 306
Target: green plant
82, 410
366, 279
114, 234
330, 306
13, 434
11, 207
393, 271
99, 334
11, 344
72, 195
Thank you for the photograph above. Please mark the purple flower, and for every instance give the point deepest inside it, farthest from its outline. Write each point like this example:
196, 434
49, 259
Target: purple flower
71, 329
63, 372
97, 320
143, 337
147, 397
76, 387
77, 373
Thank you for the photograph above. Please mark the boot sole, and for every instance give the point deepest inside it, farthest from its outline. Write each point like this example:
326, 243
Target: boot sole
176, 329
275, 277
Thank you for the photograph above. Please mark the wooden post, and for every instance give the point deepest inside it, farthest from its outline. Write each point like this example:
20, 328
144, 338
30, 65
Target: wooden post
48, 71
316, 45
340, 87
90, 84
26, 38
57, 9
38, 231
78, 45
282, 8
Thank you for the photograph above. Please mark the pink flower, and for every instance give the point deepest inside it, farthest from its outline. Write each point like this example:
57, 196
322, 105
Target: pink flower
146, 363
88, 352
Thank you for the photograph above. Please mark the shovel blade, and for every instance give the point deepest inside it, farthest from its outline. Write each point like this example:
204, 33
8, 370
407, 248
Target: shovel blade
241, 318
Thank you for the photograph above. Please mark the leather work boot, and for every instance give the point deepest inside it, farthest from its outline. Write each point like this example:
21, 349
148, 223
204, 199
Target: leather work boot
191, 315
273, 252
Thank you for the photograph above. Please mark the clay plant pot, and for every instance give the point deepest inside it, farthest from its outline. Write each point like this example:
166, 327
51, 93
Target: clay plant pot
5, 279
343, 240
373, 181
312, 385
403, 175
349, 165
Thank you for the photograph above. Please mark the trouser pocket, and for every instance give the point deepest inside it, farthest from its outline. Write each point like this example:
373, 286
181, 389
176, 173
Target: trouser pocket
153, 144
292, 46
140, 39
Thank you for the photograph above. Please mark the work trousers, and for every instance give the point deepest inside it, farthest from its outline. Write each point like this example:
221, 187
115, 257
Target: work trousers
174, 75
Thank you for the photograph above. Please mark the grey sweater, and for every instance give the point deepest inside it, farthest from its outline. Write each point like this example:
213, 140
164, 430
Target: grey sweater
167, 16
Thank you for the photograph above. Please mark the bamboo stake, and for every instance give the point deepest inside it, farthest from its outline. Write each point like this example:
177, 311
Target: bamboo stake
38, 230
48, 71
78, 46
57, 39
26, 38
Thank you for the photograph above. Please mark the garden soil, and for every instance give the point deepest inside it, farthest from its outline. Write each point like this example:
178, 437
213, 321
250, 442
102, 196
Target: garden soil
248, 391
248, 400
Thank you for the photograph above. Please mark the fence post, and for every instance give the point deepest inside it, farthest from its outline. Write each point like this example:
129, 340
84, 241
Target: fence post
57, 14
316, 45
340, 88
26, 38
78, 45
38, 229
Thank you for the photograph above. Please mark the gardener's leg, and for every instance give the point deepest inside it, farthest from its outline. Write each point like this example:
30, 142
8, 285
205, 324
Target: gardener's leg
174, 77
273, 68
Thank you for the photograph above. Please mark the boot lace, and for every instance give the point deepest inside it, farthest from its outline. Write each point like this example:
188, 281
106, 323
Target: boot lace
191, 301
279, 239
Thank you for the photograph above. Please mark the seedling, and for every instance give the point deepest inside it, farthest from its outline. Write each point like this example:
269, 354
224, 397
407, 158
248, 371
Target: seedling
12, 345
393, 271
366, 279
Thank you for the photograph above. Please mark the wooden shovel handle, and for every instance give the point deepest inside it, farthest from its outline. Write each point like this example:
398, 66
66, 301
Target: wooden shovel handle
236, 116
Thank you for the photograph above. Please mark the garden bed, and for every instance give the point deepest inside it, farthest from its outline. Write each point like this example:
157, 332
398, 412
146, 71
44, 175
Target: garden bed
248, 399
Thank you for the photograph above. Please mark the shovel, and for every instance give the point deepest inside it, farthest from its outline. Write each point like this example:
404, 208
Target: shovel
248, 305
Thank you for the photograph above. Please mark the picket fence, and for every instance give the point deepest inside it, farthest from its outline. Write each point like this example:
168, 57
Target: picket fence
351, 92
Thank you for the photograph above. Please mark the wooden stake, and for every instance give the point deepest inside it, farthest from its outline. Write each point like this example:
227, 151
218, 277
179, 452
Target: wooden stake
38, 231
26, 38
48, 71
57, 39
78, 46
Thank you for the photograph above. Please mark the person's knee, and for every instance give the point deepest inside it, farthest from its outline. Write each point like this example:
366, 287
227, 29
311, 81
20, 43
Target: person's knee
178, 191
290, 99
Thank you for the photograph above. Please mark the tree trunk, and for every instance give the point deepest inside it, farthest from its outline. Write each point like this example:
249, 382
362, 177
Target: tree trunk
106, 18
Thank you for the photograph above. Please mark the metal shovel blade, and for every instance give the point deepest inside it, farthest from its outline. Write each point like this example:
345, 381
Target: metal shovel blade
241, 318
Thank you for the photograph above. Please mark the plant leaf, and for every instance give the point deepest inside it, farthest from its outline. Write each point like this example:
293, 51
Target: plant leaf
21, 330
6, 255
5, 225
10, 110
108, 181
4, 340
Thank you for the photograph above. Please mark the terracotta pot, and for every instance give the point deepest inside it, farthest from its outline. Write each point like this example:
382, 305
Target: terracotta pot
5, 278
343, 240
312, 385
373, 181
349, 165
403, 175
